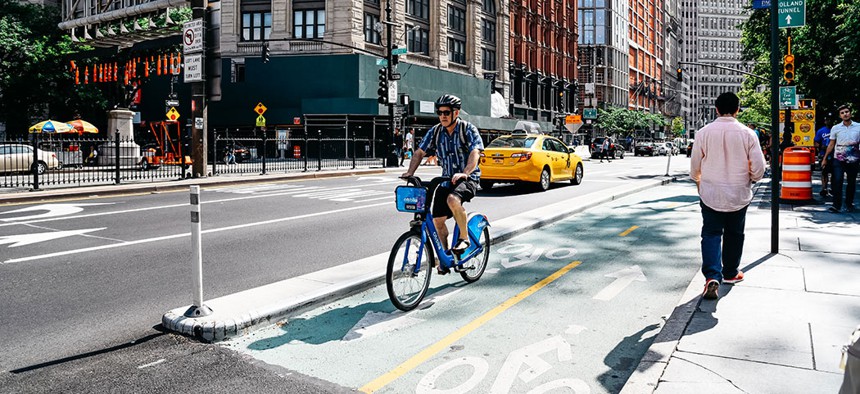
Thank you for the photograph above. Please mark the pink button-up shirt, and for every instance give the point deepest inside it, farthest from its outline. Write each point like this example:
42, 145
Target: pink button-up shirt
726, 161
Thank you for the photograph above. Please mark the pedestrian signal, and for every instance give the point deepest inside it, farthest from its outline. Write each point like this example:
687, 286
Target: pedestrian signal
680, 73
788, 68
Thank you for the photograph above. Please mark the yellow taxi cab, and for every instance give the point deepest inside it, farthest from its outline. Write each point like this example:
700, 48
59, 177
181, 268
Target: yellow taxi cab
525, 157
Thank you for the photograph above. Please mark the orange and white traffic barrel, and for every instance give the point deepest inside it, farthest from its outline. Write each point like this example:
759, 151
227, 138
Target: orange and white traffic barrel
297, 152
796, 174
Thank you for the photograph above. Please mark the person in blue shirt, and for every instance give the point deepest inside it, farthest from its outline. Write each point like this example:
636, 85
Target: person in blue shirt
458, 146
822, 140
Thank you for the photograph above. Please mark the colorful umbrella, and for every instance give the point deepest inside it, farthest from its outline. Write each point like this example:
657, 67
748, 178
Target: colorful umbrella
82, 126
51, 126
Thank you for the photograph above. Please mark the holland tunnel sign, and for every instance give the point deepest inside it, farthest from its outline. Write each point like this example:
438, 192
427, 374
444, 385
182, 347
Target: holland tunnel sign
792, 13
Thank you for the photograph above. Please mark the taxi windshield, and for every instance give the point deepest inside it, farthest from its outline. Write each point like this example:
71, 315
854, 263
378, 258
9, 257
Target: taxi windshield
512, 142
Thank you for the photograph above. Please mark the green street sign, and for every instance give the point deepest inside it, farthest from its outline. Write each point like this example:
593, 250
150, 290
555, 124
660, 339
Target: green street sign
589, 113
398, 51
792, 13
788, 96
381, 62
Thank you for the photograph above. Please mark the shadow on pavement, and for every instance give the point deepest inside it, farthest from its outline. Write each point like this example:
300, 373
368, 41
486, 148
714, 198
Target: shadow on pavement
624, 357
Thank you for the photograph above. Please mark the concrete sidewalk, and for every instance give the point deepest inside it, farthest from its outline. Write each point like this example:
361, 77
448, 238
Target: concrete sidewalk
781, 330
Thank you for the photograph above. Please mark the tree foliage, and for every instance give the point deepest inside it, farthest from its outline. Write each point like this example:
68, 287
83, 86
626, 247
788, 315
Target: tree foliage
34, 76
624, 122
825, 51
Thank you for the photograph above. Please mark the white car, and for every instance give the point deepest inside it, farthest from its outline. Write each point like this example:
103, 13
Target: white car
19, 158
666, 148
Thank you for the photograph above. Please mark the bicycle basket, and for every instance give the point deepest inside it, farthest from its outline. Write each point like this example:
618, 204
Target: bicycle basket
410, 198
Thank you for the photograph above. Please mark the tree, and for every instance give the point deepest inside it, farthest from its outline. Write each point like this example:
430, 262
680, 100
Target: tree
827, 73
624, 122
678, 127
34, 75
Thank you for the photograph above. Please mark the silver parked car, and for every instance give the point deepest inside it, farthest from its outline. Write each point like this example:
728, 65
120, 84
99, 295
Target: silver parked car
19, 158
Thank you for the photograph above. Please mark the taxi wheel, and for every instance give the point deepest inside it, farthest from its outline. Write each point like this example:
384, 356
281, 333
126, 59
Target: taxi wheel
577, 175
543, 184
486, 185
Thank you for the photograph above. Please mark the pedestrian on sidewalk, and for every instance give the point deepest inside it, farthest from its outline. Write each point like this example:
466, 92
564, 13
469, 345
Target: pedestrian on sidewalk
822, 141
408, 141
725, 162
844, 140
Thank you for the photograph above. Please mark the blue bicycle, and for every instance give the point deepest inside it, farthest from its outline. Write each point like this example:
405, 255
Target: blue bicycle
411, 261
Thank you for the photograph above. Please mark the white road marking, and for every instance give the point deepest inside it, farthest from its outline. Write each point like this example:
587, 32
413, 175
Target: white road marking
168, 237
623, 279
29, 239
53, 210
575, 329
152, 364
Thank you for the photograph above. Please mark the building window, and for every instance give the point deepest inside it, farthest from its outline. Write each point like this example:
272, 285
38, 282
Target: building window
488, 59
488, 30
309, 23
456, 51
418, 41
489, 7
418, 8
256, 20
457, 19
370, 34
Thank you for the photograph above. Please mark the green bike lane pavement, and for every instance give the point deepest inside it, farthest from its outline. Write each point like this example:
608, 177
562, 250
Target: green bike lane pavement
575, 304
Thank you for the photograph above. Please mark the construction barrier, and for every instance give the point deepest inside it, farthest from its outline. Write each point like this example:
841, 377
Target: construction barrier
297, 152
796, 174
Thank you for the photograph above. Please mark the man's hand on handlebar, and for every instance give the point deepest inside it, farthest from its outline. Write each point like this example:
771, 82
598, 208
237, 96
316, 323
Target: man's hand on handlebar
458, 177
405, 175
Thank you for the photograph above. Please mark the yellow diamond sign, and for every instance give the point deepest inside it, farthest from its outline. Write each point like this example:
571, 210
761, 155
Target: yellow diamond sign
173, 114
260, 109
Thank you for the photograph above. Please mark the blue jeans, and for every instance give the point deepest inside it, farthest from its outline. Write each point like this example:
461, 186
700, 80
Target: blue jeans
722, 242
840, 169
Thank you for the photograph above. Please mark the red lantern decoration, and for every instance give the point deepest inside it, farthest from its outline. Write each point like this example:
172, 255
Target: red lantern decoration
158, 68
77, 76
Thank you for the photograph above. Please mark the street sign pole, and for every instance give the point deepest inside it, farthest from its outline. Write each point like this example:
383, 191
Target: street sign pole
774, 128
198, 103
390, 151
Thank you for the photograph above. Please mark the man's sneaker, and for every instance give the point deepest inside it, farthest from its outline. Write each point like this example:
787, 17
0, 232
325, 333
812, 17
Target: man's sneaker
461, 246
834, 209
737, 278
711, 288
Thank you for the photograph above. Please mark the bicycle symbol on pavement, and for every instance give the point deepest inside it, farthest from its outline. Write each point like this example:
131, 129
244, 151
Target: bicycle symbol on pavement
525, 254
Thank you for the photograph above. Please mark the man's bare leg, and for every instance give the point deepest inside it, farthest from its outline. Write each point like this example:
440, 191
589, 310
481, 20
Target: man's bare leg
456, 206
442, 229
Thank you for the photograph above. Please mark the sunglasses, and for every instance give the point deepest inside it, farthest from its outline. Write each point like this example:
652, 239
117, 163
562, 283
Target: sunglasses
443, 113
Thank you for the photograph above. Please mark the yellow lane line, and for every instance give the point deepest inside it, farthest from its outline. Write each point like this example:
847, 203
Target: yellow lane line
628, 231
444, 343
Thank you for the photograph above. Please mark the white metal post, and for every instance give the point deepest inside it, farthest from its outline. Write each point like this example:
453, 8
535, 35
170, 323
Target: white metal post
197, 309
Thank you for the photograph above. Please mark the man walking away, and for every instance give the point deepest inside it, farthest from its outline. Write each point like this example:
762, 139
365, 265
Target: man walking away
844, 139
822, 141
725, 162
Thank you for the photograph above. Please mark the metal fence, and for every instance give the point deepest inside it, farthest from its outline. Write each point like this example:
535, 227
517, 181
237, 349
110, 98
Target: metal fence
71, 160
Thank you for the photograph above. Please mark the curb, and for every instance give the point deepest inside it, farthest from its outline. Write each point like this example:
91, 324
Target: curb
210, 330
168, 186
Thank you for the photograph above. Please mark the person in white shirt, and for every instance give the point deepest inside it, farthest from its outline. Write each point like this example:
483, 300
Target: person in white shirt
725, 162
844, 140
408, 144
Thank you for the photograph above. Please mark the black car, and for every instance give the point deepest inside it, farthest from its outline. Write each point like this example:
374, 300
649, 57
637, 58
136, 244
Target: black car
645, 149
614, 148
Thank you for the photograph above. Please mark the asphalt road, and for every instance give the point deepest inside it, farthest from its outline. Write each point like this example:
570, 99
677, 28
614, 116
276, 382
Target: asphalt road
85, 276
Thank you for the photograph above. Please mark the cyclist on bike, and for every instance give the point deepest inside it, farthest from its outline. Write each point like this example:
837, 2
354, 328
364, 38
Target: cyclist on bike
458, 151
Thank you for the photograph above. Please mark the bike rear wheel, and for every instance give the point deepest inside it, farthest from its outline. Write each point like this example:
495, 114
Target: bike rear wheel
406, 284
479, 262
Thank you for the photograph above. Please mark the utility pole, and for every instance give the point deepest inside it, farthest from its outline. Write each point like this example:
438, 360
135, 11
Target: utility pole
198, 103
391, 154
774, 121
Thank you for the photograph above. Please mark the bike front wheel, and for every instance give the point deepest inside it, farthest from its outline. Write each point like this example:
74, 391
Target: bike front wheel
478, 263
408, 275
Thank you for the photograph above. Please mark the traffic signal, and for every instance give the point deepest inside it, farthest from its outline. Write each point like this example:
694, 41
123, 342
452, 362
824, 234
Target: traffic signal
383, 86
680, 73
788, 68
394, 58
266, 54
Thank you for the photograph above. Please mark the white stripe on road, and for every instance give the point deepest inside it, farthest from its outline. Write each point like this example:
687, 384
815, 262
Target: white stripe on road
167, 237
294, 191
